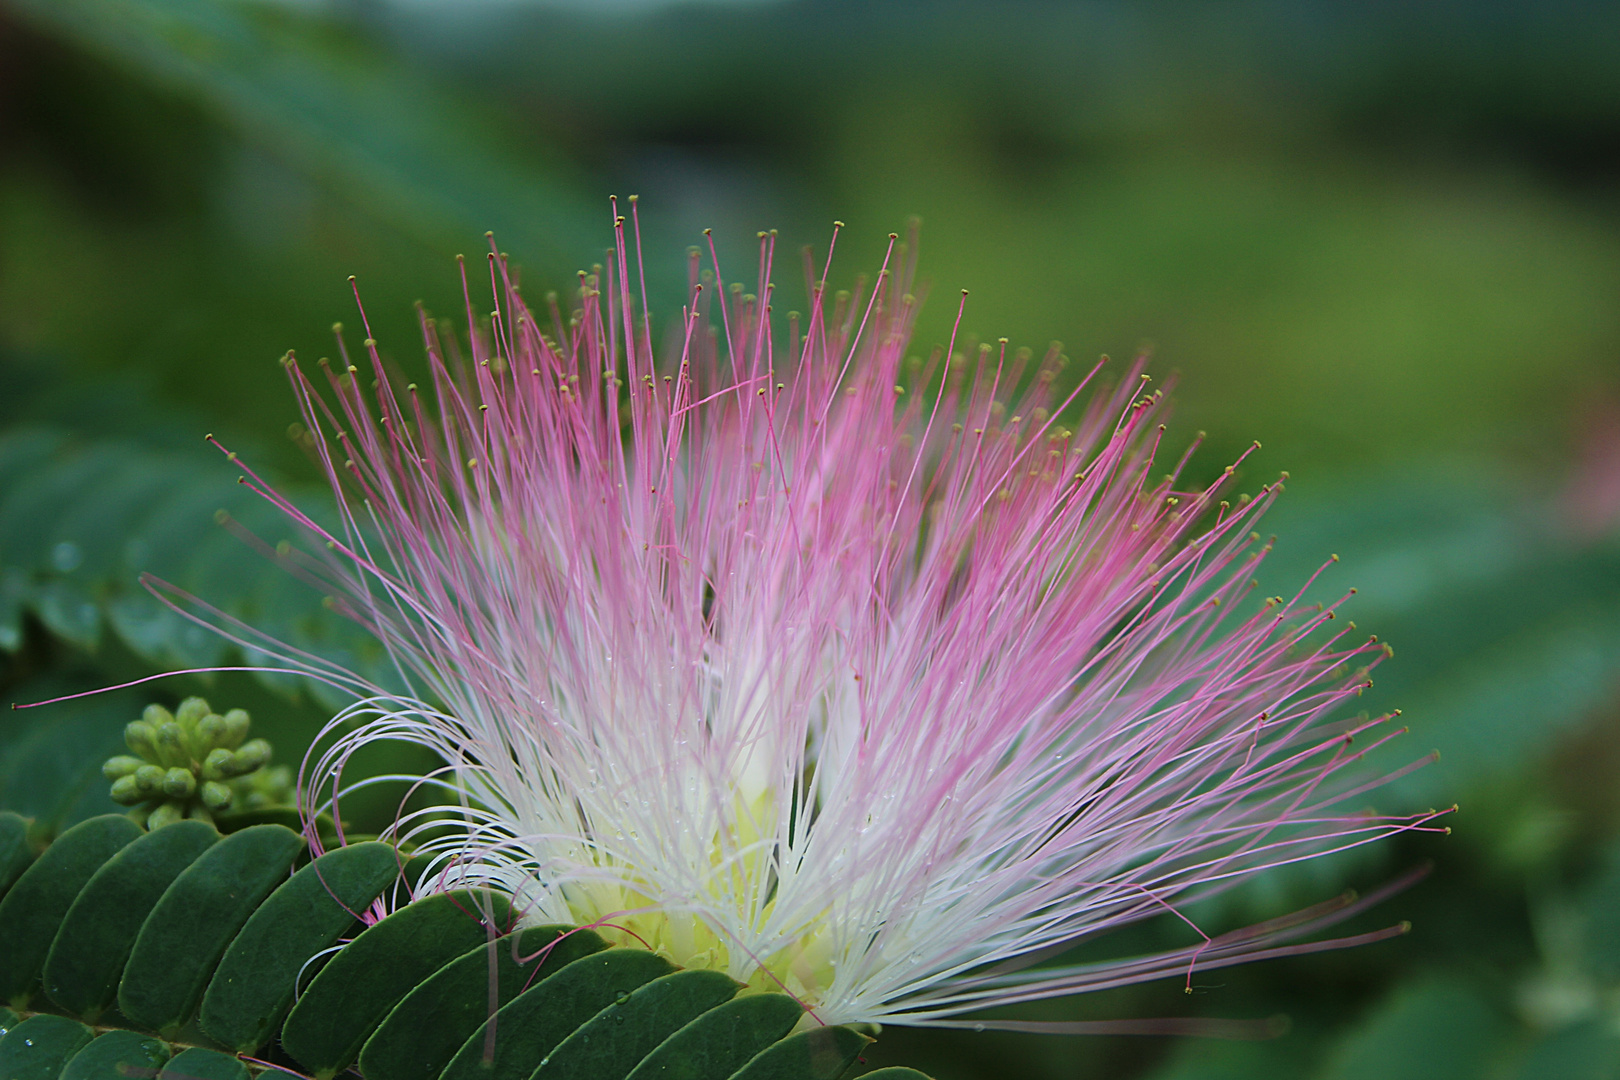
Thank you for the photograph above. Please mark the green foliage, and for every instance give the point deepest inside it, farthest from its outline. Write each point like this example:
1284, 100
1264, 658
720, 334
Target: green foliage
194, 921
338, 113
93, 943
253, 988
17, 849
823, 1053
40, 1047
201, 1063
1444, 1030
117, 1053
406, 994
1498, 605
531, 1025
354, 992
424, 1031
33, 909
74, 547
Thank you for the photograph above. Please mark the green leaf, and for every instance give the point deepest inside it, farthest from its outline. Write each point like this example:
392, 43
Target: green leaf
1587, 1051
17, 851
87, 519
34, 908
378, 132
285, 816
253, 988
50, 757
199, 1063
818, 1054
195, 920
722, 1040
1601, 901
117, 1053
361, 984
96, 936
614, 1041
24, 449
433, 1021
530, 1026
40, 1047
566, 1005
1498, 614
1441, 1029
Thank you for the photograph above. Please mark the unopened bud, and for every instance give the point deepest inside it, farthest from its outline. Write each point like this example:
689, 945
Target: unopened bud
139, 737
218, 764
120, 766
192, 710
149, 779
156, 714
254, 753
210, 733
236, 728
166, 814
126, 791
216, 796
171, 744
179, 783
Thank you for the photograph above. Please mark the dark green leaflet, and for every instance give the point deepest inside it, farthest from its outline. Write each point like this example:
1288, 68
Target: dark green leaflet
117, 1053
242, 925
821, 1053
33, 909
611, 1043
722, 1040
353, 992
195, 920
199, 1063
40, 1046
252, 990
532, 1025
16, 852
425, 1030
83, 966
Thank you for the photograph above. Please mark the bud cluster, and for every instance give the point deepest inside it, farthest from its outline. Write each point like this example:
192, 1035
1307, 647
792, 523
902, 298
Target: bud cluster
185, 764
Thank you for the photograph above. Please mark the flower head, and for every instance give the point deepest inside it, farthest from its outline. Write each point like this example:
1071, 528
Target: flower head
873, 678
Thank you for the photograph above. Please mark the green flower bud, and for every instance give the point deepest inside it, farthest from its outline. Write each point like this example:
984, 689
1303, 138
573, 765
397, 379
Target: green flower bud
126, 792
149, 779
253, 754
157, 714
236, 728
216, 796
211, 731
140, 737
179, 783
265, 787
171, 744
167, 814
192, 710
122, 765
218, 763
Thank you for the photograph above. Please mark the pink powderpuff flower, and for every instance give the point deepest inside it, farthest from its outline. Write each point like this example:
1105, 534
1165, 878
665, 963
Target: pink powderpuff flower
848, 673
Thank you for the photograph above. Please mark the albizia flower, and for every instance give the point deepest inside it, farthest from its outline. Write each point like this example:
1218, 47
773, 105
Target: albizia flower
846, 673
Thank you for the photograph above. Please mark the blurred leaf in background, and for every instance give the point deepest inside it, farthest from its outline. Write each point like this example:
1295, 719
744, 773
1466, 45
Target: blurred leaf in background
1382, 238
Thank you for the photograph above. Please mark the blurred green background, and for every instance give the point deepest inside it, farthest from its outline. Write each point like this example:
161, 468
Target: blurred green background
1382, 238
